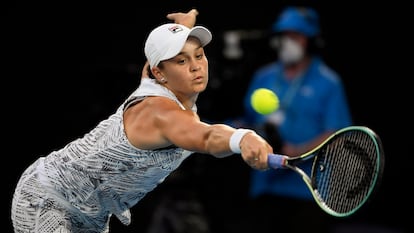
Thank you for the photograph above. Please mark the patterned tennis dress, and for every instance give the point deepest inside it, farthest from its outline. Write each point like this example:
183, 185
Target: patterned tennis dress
79, 187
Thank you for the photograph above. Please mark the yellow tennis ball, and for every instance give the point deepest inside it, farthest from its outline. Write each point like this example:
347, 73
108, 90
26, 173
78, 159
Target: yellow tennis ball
264, 101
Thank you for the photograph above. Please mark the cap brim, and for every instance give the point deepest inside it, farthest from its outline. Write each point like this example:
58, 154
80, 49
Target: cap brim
202, 33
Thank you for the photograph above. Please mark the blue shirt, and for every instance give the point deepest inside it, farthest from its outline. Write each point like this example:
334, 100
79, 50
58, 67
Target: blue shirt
310, 104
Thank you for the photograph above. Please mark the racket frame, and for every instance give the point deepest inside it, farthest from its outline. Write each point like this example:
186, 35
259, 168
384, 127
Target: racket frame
293, 164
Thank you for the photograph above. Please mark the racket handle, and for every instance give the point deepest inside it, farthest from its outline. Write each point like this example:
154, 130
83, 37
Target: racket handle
276, 161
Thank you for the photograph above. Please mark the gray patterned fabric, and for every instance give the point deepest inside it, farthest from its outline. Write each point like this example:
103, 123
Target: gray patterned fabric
78, 188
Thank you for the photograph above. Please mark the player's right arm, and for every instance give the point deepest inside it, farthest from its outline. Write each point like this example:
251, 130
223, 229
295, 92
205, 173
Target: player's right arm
158, 122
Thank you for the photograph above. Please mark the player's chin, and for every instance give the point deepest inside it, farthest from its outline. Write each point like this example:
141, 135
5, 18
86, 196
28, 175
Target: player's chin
199, 86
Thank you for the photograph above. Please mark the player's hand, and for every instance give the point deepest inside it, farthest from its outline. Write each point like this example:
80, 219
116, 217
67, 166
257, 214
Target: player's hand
255, 151
187, 19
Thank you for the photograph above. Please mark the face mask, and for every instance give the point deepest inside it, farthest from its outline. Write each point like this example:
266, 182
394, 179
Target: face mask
290, 51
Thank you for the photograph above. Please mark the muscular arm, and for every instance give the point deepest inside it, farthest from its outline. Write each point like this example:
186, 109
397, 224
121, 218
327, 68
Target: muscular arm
184, 129
158, 122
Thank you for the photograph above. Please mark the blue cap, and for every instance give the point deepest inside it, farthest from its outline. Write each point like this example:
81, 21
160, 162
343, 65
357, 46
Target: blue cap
298, 19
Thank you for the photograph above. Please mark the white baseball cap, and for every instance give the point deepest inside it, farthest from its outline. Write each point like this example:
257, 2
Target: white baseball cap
167, 40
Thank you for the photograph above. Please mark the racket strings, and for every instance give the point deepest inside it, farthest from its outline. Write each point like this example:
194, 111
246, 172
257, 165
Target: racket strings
345, 171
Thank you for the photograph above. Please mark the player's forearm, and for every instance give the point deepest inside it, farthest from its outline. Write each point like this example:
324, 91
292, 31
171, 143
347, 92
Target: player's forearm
217, 140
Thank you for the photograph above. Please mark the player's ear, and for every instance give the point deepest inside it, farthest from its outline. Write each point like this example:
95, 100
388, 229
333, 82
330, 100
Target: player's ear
158, 75
162, 79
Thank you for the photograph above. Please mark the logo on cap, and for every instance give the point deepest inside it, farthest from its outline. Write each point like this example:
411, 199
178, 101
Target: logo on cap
175, 29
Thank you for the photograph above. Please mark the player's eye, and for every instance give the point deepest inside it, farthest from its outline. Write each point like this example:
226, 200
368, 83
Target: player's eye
181, 61
199, 56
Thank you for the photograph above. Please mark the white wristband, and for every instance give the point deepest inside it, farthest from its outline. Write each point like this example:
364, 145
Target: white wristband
235, 139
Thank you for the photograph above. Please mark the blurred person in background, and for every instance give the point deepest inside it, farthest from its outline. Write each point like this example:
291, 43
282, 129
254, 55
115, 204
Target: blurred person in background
313, 105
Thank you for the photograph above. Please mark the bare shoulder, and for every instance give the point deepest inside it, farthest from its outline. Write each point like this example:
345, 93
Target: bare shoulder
146, 122
167, 112
149, 110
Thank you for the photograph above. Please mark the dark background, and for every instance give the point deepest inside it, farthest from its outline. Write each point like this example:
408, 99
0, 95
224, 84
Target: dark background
69, 65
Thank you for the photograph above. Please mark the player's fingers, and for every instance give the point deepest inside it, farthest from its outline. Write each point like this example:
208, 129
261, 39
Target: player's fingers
259, 160
176, 15
262, 158
254, 161
259, 165
193, 11
172, 16
187, 19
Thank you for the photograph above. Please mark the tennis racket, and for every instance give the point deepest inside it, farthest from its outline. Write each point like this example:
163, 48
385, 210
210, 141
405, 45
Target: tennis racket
347, 168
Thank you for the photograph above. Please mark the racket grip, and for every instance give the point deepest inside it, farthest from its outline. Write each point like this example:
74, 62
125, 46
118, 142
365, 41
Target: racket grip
276, 161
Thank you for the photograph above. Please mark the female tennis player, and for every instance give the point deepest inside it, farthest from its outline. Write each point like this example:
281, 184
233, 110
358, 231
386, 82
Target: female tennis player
111, 168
